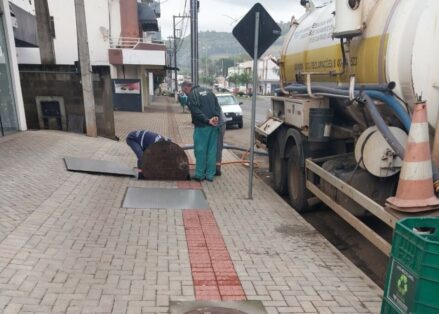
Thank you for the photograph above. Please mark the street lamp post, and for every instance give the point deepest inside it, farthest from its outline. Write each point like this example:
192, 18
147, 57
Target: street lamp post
207, 69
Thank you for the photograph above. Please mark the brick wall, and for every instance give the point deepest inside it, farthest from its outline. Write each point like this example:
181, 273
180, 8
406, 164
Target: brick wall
128, 18
63, 81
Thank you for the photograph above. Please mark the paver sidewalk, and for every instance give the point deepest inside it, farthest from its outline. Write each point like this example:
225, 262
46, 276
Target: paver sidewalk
67, 246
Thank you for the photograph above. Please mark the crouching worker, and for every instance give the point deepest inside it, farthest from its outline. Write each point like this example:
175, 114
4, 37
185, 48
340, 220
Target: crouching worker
140, 140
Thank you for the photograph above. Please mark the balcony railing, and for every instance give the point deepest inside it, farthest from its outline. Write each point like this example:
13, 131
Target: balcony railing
130, 42
126, 42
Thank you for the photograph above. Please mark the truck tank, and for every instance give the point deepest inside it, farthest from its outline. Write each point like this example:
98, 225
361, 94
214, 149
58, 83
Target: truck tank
351, 73
399, 42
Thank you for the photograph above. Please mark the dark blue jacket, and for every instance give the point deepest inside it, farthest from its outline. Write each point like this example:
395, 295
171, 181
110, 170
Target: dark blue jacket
145, 138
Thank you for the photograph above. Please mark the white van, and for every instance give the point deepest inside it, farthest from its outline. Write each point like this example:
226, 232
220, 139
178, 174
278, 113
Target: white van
231, 108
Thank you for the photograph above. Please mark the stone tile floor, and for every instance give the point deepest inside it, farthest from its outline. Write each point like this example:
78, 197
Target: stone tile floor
67, 246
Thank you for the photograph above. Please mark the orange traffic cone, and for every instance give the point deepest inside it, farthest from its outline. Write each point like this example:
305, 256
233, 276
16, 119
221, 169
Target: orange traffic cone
415, 188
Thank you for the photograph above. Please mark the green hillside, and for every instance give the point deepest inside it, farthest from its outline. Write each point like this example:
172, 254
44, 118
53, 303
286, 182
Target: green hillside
219, 45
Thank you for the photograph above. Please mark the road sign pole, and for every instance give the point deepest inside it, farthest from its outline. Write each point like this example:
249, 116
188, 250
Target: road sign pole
253, 122
263, 38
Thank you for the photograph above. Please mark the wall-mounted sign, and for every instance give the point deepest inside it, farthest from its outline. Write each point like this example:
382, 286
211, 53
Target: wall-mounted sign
127, 95
127, 88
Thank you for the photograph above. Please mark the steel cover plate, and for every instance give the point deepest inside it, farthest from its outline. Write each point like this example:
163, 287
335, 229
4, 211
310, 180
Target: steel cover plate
217, 307
215, 310
98, 166
153, 198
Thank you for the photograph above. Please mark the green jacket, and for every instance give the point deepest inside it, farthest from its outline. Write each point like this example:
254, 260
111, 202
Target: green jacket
182, 99
203, 105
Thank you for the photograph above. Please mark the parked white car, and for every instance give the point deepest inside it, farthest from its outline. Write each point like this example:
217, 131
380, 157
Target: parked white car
231, 108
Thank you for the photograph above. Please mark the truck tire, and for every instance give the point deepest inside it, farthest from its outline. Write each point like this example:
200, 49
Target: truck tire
279, 170
298, 194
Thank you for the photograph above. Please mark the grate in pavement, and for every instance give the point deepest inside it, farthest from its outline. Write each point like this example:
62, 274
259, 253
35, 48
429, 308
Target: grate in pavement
215, 310
153, 198
98, 166
215, 307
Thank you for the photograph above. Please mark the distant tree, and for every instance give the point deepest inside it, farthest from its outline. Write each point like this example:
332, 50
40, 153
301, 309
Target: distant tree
234, 79
222, 65
241, 58
207, 80
245, 79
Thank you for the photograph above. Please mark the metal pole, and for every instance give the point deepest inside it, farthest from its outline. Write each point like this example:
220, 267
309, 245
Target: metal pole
192, 9
197, 58
169, 60
45, 36
253, 122
1, 126
207, 68
194, 41
175, 61
86, 71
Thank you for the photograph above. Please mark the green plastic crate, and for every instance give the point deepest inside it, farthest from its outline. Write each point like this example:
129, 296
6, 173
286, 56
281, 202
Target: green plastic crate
412, 284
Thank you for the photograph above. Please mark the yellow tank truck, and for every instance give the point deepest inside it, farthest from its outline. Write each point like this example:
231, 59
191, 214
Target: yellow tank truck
351, 73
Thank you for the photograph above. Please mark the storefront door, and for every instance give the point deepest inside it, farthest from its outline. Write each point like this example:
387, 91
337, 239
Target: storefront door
8, 114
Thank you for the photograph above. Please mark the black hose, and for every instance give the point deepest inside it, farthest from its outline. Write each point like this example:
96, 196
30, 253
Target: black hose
388, 135
396, 107
382, 126
232, 147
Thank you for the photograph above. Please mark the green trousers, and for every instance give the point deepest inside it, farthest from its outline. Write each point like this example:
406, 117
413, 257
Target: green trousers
205, 146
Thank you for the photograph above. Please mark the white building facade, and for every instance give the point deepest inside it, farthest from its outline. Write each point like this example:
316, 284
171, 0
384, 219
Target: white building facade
115, 38
268, 75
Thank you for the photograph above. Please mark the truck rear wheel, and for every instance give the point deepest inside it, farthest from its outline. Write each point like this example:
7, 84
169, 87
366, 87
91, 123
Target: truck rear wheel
279, 170
297, 191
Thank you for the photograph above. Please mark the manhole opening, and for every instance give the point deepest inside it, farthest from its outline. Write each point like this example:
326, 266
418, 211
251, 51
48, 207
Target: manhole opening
215, 310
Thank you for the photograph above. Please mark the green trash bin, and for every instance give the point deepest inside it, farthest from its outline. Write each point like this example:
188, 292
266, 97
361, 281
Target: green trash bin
412, 284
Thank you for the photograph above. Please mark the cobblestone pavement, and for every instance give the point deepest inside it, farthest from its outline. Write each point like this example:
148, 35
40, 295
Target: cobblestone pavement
67, 246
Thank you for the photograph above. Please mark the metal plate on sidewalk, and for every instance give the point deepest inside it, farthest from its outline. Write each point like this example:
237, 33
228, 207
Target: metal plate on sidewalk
217, 307
215, 310
98, 166
147, 198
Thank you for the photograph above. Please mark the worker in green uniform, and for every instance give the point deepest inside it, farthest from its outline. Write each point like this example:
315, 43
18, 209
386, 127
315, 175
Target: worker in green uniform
182, 99
205, 111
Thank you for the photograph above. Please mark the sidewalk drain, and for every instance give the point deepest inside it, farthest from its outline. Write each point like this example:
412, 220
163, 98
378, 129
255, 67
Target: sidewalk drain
215, 310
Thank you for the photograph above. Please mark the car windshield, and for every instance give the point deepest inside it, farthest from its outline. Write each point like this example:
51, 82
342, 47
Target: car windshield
227, 100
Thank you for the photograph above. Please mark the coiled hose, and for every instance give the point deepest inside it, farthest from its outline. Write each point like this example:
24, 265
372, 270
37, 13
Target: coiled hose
382, 126
368, 94
380, 94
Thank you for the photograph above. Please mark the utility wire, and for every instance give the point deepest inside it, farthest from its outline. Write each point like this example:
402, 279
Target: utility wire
183, 36
184, 28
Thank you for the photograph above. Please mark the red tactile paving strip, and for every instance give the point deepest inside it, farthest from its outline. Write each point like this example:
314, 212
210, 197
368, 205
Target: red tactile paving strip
189, 185
214, 275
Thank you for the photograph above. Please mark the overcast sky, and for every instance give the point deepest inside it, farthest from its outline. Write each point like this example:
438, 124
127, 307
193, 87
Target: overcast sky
219, 15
